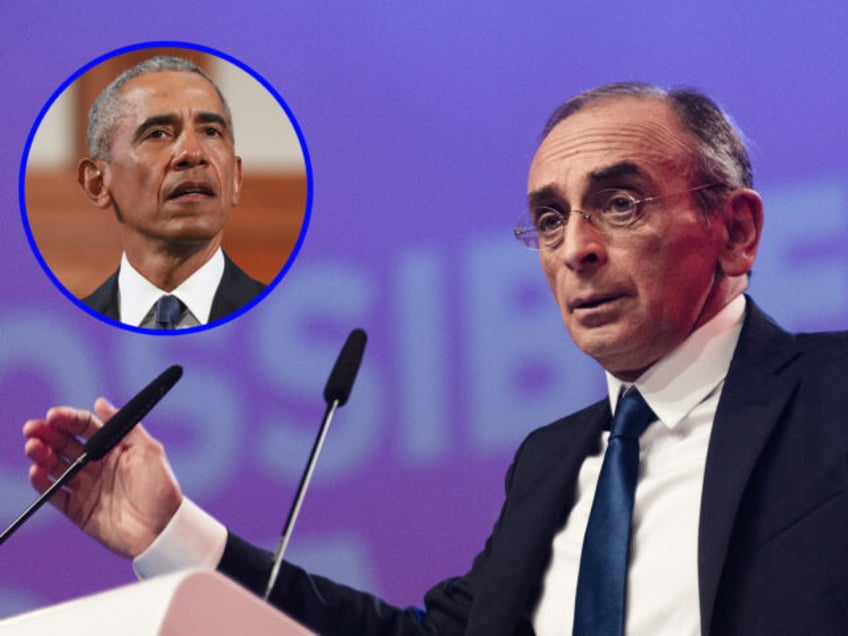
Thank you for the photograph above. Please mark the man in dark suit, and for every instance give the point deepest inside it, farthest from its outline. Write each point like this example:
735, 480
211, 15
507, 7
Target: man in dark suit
162, 157
641, 207
235, 290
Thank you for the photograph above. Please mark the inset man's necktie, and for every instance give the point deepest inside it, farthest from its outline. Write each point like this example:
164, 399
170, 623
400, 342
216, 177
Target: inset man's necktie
168, 312
602, 581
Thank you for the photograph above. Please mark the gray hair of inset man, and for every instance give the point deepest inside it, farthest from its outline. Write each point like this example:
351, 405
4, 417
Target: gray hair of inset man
107, 108
718, 147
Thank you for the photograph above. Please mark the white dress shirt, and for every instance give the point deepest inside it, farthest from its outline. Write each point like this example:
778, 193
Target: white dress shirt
137, 295
683, 390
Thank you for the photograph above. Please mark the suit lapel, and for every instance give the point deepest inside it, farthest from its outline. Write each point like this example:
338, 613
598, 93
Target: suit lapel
105, 298
541, 491
756, 391
235, 290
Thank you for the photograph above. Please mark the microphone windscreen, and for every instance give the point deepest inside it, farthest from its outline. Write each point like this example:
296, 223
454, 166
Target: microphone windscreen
340, 382
123, 421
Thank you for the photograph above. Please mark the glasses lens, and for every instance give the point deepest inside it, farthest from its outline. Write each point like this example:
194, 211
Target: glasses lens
527, 237
540, 227
617, 208
549, 224
525, 232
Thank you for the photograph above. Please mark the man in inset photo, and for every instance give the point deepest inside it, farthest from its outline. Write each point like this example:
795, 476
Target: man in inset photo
162, 158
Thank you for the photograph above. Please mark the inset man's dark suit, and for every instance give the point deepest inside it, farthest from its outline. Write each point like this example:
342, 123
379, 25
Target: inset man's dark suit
235, 291
773, 535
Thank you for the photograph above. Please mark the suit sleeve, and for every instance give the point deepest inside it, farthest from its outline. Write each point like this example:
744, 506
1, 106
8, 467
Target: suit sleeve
331, 609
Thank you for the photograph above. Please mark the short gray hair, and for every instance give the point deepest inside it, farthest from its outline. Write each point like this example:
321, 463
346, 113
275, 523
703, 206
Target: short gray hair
106, 110
718, 146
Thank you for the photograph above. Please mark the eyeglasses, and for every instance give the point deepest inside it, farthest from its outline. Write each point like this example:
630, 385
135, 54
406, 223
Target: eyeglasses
607, 210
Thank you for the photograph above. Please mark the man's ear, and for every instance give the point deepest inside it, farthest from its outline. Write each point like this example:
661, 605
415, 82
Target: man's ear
91, 177
236, 180
743, 226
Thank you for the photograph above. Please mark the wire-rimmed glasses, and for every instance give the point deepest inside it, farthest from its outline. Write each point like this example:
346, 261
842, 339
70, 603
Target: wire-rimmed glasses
607, 210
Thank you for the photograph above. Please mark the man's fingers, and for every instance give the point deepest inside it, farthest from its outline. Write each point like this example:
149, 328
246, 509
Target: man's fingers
103, 409
76, 422
40, 453
61, 442
46, 458
41, 482
38, 478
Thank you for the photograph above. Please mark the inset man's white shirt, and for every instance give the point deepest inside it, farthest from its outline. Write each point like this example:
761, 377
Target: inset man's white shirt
137, 295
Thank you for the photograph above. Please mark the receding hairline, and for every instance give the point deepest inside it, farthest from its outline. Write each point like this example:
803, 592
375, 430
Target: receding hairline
679, 147
716, 143
122, 90
606, 100
103, 115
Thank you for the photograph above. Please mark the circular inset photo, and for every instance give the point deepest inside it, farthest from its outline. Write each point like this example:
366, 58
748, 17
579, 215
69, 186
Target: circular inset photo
166, 188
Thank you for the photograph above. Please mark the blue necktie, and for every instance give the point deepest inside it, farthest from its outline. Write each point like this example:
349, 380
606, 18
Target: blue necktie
601, 584
168, 312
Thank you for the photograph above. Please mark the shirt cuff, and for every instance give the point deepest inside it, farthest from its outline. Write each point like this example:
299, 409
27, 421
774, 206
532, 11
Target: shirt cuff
192, 539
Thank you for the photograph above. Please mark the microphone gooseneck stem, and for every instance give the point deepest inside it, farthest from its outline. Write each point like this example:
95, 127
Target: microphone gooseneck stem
106, 437
69, 474
294, 511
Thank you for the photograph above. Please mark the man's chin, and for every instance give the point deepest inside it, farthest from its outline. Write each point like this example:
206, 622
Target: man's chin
191, 238
194, 228
610, 345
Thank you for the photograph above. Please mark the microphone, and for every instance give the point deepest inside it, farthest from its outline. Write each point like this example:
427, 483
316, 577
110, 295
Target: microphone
336, 393
106, 438
340, 382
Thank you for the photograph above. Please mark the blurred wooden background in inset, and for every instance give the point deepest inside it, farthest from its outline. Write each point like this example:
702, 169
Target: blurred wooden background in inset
80, 243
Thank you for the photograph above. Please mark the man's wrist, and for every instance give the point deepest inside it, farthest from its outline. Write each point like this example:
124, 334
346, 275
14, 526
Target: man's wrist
192, 539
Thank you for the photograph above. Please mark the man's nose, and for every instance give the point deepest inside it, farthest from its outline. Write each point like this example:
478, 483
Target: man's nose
583, 246
189, 150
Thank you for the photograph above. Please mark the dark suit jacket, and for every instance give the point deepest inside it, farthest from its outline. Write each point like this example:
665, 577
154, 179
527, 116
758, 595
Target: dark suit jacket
773, 538
235, 291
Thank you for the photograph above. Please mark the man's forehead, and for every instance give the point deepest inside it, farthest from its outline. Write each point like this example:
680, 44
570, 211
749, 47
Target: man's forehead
642, 132
169, 90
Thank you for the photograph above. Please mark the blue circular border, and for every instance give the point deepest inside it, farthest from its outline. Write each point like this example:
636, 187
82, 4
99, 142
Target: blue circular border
149, 45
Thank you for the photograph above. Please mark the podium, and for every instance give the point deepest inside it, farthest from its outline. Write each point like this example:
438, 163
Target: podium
182, 604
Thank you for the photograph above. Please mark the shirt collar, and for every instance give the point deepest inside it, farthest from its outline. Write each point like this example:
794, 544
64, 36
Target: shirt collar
137, 294
677, 383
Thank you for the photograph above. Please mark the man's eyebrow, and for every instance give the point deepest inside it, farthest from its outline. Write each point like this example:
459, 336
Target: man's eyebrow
170, 119
551, 195
165, 119
616, 171
543, 197
210, 117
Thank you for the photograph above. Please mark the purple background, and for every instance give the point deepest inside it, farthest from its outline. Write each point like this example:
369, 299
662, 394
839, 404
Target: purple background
420, 121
